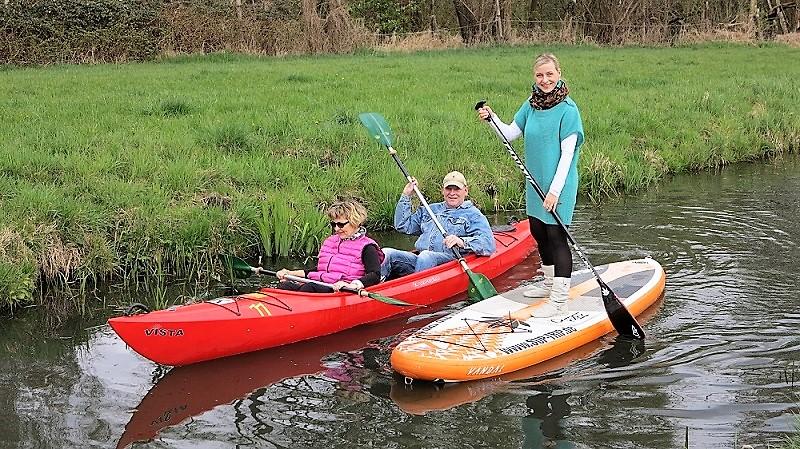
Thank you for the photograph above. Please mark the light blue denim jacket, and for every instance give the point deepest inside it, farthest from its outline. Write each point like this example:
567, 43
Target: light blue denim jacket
465, 221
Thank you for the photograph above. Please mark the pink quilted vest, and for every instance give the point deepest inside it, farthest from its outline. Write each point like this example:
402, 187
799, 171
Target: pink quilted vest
340, 260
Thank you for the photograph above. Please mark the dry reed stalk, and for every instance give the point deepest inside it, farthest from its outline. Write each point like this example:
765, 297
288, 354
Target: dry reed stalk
312, 24
421, 41
715, 35
790, 39
57, 259
12, 246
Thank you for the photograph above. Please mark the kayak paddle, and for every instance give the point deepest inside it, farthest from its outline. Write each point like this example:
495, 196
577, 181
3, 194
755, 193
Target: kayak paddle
240, 269
624, 323
480, 287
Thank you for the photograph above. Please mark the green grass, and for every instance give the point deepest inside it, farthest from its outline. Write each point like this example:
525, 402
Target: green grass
134, 172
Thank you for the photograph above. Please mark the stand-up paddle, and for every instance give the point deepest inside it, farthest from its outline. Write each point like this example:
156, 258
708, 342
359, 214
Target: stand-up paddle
240, 269
620, 317
479, 285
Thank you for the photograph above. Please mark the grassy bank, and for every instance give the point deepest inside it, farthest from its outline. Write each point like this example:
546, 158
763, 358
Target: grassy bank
140, 171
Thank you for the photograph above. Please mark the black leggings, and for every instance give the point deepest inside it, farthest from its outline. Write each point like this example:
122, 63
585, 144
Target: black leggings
307, 287
553, 246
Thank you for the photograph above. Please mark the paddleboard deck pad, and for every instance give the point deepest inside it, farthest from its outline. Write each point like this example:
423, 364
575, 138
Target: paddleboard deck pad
498, 335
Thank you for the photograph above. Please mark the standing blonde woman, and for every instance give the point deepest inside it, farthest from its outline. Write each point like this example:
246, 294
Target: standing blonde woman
551, 124
348, 258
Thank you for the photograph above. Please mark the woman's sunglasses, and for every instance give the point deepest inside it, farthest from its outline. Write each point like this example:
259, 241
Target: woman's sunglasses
336, 224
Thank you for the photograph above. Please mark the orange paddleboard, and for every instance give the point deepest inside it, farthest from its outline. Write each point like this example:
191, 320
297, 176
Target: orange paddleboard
498, 335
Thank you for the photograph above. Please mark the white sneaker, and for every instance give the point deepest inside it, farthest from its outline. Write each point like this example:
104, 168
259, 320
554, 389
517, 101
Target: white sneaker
556, 305
542, 290
537, 291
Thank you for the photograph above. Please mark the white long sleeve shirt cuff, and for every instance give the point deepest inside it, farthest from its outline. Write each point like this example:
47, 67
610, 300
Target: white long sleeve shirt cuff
511, 131
567, 151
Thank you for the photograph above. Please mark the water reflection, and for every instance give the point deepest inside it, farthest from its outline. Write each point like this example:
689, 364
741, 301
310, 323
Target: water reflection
621, 352
542, 425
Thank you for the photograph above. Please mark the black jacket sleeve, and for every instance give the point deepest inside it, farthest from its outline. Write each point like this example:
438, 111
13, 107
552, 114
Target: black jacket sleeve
371, 259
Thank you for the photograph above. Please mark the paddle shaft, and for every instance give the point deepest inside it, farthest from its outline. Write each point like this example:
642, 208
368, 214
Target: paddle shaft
302, 280
425, 204
240, 266
610, 299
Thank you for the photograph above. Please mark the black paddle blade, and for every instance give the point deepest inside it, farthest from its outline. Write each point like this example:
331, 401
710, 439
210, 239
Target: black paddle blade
624, 323
235, 267
480, 287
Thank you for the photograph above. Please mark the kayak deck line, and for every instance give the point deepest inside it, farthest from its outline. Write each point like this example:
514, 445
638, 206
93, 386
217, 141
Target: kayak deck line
221, 301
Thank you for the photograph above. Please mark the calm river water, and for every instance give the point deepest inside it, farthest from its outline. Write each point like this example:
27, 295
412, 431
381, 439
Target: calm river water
720, 367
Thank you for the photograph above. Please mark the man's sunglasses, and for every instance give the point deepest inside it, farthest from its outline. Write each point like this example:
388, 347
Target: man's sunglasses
336, 224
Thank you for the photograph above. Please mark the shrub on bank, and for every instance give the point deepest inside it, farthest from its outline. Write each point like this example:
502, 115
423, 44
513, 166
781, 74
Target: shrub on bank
91, 31
69, 31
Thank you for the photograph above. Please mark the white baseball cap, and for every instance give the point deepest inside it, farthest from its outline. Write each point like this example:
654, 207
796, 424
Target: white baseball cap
454, 178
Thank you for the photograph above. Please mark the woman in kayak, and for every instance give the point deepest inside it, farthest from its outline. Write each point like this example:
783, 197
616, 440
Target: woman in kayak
348, 258
553, 130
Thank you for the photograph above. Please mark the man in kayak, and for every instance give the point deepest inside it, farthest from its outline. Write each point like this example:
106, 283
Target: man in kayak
467, 230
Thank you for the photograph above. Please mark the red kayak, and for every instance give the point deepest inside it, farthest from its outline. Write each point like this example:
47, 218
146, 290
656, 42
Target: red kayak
231, 325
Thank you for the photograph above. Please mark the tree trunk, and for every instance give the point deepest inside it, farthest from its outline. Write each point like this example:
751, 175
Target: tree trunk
531, 13
432, 24
506, 12
498, 24
782, 18
755, 22
466, 21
